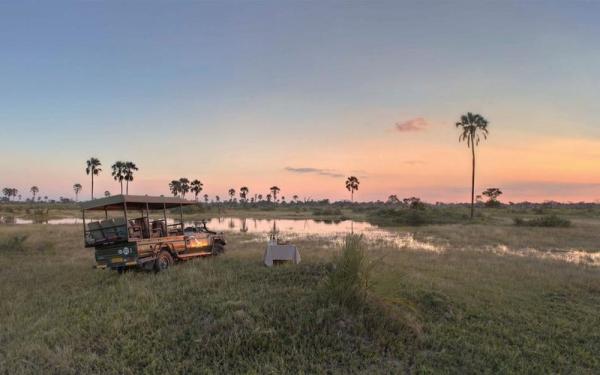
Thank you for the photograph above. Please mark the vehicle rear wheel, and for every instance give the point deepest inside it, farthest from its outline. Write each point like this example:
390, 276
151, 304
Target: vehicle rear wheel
218, 248
163, 261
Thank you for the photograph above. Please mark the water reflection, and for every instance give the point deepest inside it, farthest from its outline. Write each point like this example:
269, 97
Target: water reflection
243, 227
228, 224
16, 220
290, 226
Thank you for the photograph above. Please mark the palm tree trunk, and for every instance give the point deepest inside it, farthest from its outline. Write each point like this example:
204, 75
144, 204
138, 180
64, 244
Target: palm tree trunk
127, 187
92, 185
473, 182
121, 187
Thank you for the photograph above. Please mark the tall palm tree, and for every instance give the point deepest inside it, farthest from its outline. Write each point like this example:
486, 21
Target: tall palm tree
77, 188
184, 186
217, 198
7, 192
244, 193
274, 190
472, 126
196, 188
231, 194
92, 168
175, 187
295, 198
107, 193
352, 185
269, 198
206, 198
128, 170
260, 197
118, 172
34, 190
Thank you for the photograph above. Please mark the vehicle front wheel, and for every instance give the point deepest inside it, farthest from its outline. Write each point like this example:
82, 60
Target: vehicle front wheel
218, 248
163, 261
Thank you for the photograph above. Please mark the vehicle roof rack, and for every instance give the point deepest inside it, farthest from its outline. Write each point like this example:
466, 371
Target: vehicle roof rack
116, 202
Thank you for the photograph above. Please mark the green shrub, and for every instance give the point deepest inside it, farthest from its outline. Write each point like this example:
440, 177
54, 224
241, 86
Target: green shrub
15, 243
549, 221
348, 283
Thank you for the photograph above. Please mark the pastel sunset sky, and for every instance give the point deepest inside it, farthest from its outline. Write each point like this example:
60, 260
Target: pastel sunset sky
301, 95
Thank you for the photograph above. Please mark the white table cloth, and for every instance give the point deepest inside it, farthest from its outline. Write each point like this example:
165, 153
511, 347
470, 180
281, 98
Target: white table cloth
281, 252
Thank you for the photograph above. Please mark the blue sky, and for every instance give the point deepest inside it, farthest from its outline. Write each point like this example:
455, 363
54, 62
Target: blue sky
247, 91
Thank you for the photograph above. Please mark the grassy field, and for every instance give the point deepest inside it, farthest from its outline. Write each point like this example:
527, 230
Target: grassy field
462, 310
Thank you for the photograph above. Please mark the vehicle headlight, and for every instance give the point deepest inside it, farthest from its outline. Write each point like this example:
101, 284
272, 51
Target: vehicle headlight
126, 251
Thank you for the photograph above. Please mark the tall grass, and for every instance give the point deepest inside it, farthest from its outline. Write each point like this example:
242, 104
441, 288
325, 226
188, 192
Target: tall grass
348, 283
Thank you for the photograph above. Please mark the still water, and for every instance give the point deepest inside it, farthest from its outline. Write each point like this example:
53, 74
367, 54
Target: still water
289, 229
231, 224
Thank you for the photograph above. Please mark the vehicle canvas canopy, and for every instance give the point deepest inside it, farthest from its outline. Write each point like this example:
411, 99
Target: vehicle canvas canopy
135, 223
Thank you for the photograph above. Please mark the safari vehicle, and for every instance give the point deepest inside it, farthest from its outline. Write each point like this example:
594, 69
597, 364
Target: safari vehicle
128, 237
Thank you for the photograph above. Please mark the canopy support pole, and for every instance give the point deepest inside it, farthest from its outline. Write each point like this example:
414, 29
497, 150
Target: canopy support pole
126, 221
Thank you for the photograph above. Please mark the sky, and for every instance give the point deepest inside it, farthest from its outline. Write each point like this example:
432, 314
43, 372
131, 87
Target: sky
302, 94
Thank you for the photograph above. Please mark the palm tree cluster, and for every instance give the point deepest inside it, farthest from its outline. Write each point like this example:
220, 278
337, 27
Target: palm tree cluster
10, 192
179, 188
120, 171
123, 171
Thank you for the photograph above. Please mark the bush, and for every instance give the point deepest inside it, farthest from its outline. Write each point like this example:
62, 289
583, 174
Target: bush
197, 208
550, 221
327, 212
416, 217
15, 243
492, 203
347, 285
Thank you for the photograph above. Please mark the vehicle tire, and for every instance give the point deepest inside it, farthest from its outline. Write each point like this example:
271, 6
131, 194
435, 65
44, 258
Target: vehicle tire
163, 261
218, 248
